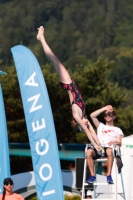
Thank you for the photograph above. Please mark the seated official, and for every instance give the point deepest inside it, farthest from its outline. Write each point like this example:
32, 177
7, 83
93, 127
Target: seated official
108, 135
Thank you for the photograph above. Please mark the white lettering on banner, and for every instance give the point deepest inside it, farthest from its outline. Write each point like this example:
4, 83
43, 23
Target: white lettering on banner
38, 127
48, 193
43, 141
35, 98
50, 172
31, 81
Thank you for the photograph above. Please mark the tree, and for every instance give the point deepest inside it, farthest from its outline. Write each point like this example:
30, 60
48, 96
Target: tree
96, 89
16, 125
122, 68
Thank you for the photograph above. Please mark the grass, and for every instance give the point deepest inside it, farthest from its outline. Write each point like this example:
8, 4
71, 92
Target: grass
66, 197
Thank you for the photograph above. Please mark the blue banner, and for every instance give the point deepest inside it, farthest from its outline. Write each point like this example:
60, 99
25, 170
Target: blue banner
40, 125
4, 149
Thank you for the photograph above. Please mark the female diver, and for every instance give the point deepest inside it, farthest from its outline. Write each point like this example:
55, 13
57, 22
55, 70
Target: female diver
76, 101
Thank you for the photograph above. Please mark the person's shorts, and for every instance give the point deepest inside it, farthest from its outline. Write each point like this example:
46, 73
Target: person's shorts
97, 155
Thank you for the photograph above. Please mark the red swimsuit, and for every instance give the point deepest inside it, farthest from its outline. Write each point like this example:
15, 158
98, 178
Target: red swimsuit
77, 98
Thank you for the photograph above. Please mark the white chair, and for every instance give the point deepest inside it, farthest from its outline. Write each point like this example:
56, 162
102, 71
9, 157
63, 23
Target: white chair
96, 194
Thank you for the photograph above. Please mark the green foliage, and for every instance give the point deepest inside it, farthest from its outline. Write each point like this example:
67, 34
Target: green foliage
13, 106
66, 197
83, 34
122, 69
124, 120
76, 31
96, 89
34, 198
72, 197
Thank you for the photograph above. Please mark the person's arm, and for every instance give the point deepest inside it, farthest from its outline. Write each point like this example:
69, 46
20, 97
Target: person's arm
94, 114
93, 133
118, 141
89, 132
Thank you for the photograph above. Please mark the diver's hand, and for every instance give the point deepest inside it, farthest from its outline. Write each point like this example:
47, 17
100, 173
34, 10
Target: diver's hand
98, 148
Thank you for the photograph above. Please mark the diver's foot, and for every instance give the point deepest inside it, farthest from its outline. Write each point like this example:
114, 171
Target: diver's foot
40, 34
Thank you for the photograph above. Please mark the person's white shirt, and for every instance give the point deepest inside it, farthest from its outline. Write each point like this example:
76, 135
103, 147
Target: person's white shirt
107, 133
